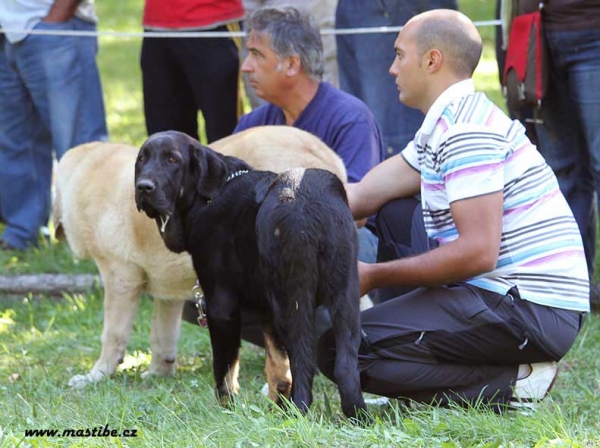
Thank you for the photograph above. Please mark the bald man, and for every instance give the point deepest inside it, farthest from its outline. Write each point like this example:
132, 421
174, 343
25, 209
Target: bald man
485, 270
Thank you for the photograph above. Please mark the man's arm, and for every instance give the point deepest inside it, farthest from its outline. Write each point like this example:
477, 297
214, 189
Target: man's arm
475, 251
391, 179
61, 11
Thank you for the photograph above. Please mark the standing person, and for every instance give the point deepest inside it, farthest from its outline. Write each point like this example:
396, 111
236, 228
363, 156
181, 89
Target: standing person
50, 100
569, 137
362, 65
182, 75
490, 258
323, 12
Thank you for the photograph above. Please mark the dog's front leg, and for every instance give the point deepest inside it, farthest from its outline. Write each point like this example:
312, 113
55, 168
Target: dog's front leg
166, 326
277, 368
224, 324
122, 288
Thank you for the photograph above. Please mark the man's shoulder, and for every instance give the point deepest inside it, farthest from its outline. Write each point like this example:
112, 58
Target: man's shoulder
262, 115
343, 104
338, 97
473, 114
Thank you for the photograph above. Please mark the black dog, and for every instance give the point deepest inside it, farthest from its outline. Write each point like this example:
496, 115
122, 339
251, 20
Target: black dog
279, 244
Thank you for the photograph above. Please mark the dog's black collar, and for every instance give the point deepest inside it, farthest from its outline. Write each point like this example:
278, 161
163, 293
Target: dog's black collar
230, 177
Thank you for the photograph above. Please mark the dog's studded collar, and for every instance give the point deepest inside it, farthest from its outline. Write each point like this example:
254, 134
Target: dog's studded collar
230, 177
236, 174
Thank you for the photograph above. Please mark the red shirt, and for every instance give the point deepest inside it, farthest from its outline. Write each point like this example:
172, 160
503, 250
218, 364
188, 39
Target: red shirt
191, 14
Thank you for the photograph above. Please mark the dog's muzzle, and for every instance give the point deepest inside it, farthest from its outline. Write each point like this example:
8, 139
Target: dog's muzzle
145, 198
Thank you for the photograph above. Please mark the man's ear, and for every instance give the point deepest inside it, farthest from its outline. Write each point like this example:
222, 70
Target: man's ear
208, 171
433, 60
292, 65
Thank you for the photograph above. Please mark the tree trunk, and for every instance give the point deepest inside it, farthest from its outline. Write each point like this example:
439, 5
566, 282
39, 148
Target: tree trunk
54, 284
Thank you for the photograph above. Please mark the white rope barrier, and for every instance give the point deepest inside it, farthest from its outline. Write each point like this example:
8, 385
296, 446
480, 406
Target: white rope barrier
213, 34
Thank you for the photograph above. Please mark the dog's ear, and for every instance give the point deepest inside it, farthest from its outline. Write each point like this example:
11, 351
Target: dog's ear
208, 169
262, 187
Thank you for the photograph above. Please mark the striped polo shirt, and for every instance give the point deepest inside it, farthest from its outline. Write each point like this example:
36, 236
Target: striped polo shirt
468, 147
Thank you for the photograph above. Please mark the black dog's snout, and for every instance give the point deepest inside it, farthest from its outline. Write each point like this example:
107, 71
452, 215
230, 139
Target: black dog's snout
145, 186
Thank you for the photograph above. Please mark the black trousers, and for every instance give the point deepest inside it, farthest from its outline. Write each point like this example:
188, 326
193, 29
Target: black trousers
184, 75
451, 343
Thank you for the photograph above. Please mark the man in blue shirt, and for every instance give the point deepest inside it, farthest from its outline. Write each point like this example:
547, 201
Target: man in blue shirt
285, 66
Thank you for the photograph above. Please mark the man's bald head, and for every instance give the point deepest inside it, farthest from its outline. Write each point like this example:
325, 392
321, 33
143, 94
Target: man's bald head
450, 32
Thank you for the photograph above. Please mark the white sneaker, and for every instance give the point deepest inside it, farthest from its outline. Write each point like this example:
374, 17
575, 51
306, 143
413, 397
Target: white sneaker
366, 302
536, 385
375, 400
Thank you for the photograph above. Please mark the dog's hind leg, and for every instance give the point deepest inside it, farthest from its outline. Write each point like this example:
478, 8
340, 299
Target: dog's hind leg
301, 346
123, 283
345, 319
166, 325
277, 369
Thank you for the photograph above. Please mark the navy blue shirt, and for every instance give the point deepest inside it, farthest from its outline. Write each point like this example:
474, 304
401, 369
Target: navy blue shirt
341, 120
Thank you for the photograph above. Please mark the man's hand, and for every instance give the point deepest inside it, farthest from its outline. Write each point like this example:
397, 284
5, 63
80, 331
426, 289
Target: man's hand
391, 179
61, 11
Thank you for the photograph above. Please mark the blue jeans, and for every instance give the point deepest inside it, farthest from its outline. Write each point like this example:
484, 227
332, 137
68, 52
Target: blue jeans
367, 245
50, 100
364, 61
569, 137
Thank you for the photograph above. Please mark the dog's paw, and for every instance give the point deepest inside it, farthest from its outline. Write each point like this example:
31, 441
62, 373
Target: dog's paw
159, 371
225, 398
163, 368
81, 381
148, 374
281, 389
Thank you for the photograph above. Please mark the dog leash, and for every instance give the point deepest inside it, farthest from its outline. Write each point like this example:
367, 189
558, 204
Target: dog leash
200, 304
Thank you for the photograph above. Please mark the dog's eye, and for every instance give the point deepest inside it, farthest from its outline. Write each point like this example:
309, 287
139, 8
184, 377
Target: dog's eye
172, 159
140, 158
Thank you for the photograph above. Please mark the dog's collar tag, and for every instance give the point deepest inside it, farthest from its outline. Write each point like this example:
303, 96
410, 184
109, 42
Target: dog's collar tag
236, 174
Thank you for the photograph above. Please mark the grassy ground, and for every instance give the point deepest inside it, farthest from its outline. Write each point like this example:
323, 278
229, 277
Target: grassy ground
44, 341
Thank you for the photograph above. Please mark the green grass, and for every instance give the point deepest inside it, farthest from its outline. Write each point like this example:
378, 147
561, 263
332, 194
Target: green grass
50, 258
44, 341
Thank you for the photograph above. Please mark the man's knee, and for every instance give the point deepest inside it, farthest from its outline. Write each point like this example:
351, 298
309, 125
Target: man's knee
395, 220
